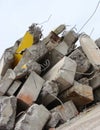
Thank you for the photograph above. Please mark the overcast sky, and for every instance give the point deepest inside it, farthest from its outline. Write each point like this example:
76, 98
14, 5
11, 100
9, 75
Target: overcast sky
17, 15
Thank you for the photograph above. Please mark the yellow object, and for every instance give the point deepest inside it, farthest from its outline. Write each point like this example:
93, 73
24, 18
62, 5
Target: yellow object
26, 42
24, 66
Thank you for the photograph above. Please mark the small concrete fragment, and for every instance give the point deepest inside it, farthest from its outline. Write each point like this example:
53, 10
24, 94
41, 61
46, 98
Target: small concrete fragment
91, 50
31, 89
80, 94
63, 73
34, 119
49, 91
7, 112
81, 60
62, 114
14, 87
6, 81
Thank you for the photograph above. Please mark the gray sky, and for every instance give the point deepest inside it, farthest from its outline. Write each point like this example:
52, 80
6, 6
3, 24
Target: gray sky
17, 15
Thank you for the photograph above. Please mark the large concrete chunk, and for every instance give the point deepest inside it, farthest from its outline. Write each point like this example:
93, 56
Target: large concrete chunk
31, 89
7, 112
62, 113
34, 53
49, 91
34, 119
80, 94
81, 60
6, 81
91, 50
63, 72
89, 120
6, 61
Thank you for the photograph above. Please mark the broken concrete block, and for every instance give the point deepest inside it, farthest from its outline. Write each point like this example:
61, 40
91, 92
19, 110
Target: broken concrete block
27, 68
89, 120
34, 53
67, 111
14, 87
70, 37
6, 81
63, 73
7, 112
6, 60
81, 60
62, 48
80, 94
62, 114
31, 89
34, 119
95, 81
49, 91
91, 50
49, 60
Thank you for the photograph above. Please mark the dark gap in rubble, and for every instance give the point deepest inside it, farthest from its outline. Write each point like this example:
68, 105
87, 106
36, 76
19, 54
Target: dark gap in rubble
21, 106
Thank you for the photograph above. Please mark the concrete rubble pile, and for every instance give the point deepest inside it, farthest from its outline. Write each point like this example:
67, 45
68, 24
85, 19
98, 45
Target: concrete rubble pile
52, 84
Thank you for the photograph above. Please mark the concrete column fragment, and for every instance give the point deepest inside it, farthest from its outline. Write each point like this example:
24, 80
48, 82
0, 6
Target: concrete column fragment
34, 119
80, 94
63, 73
7, 112
31, 89
91, 50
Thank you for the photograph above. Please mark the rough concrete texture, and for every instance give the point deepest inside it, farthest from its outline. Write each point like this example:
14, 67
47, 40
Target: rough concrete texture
80, 94
6, 81
62, 48
63, 72
70, 37
31, 89
14, 87
89, 120
49, 92
81, 60
27, 68
6, 60
95, 80
61, 114
51, 57
67, 111
91, 50
34, 119
7, 112
34, 53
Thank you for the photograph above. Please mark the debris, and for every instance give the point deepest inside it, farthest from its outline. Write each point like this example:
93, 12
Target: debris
63, 72
7, 112
34, 119
50, 80
31, 89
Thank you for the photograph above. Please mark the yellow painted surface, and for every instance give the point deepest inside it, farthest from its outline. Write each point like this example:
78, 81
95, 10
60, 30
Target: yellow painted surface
26, 42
